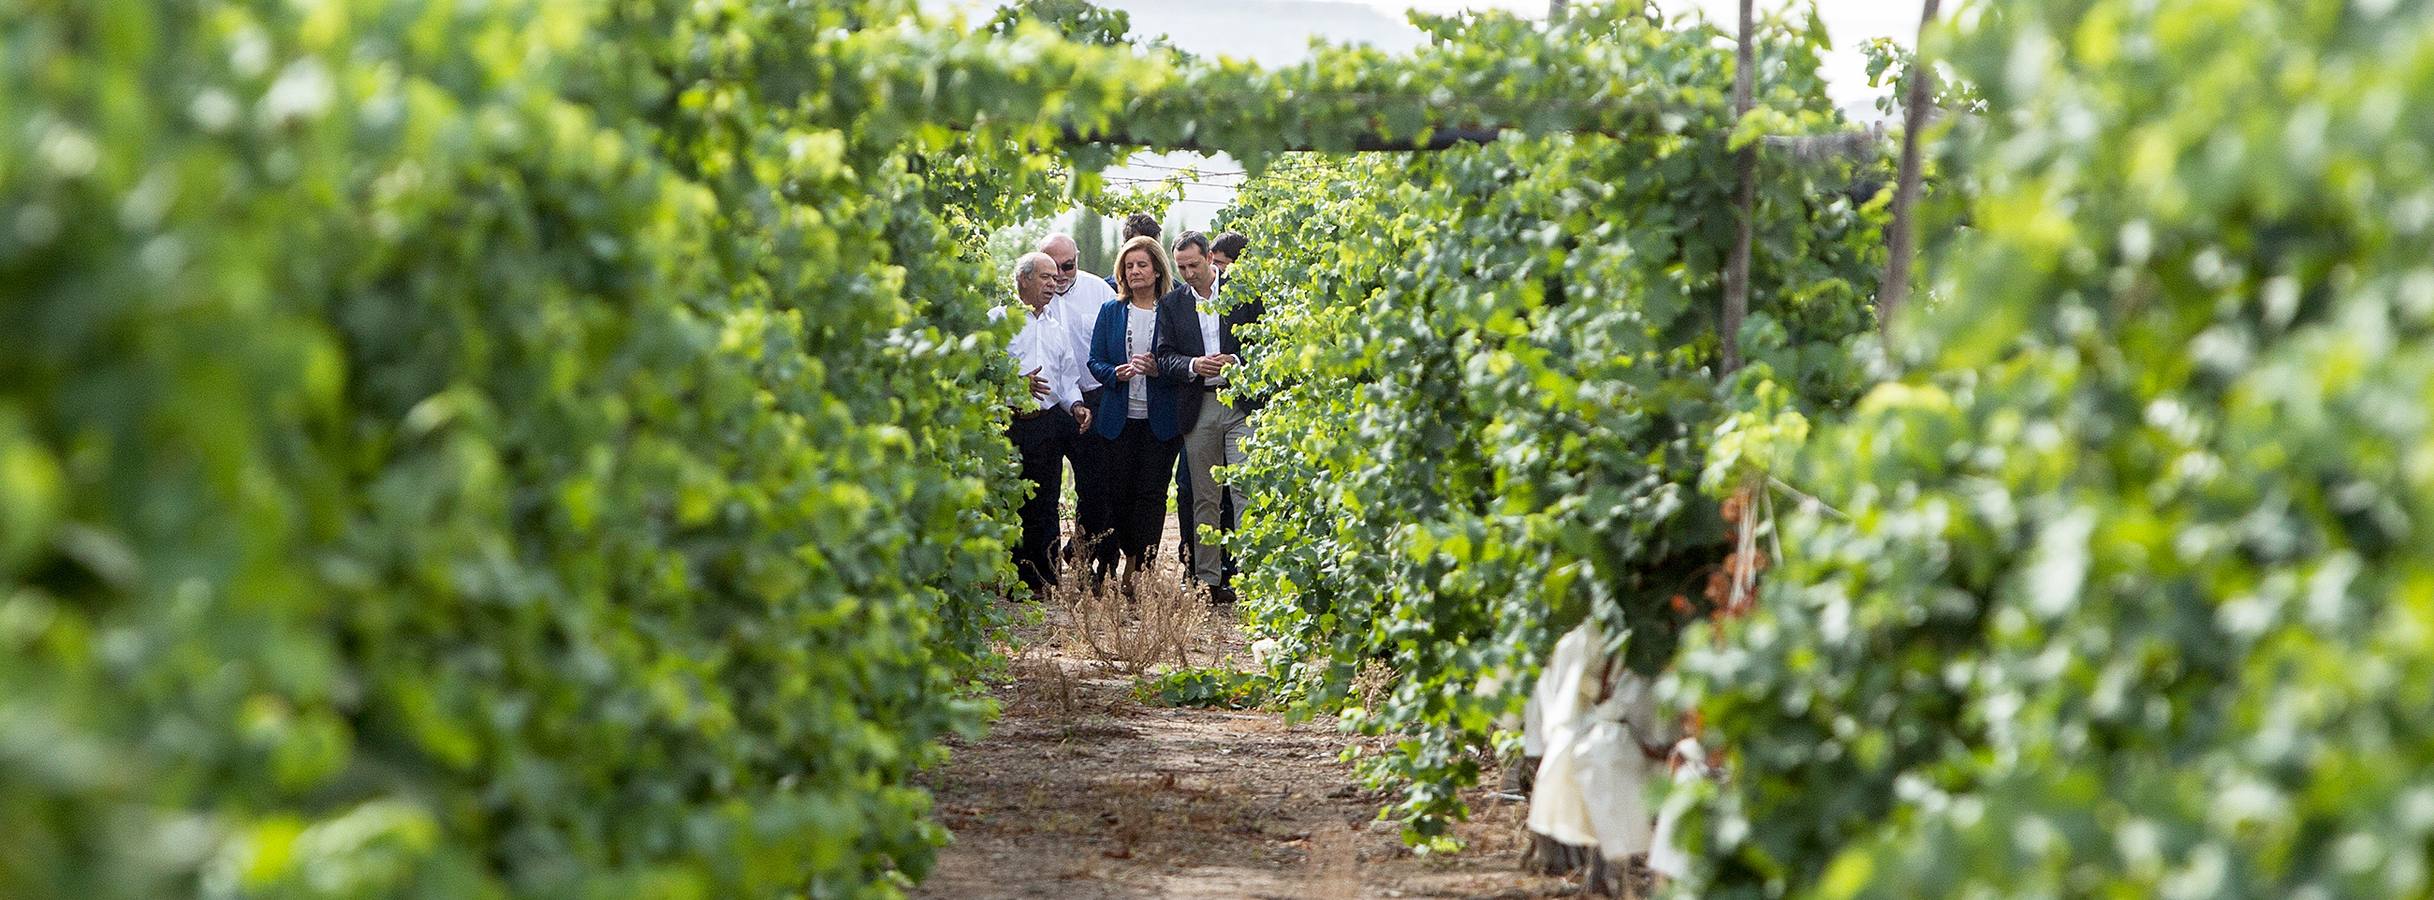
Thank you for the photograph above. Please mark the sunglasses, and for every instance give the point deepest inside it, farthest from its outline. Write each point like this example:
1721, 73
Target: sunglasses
1066, 266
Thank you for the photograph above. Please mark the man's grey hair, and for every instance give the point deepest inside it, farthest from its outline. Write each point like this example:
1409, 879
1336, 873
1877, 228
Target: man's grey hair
1054, 238
1029, 263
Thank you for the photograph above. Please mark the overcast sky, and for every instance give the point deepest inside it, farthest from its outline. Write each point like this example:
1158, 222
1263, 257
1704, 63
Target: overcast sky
1275, 32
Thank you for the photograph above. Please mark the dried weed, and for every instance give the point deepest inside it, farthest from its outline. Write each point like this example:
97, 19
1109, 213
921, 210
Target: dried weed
1372, 683
1039, 677
1132, 623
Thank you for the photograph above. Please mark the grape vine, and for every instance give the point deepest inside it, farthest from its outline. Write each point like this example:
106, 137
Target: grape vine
2128, 592
1495, 376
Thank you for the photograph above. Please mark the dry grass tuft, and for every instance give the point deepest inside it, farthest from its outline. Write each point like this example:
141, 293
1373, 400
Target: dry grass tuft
1372, 683
1039, 677
1132, 623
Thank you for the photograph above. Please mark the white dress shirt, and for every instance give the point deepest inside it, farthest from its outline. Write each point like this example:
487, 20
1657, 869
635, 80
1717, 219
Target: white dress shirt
1208, 330
1078, 308
1140, 336
1044, 344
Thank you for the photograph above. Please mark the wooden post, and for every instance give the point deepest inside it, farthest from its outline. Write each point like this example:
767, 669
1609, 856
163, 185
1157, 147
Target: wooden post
1898, 245
1736, 270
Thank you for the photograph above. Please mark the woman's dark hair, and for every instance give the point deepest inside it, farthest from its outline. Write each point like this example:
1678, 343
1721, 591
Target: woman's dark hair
1141, 225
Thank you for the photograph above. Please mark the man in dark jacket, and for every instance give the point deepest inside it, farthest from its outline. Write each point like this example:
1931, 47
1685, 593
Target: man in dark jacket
1223, 252
1197, 345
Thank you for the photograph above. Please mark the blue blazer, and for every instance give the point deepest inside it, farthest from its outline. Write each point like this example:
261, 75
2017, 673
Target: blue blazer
1106, 353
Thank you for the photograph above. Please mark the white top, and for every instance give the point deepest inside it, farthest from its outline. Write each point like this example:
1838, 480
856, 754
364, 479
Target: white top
1208, 330
1078, 309
1140, 328
1042, 345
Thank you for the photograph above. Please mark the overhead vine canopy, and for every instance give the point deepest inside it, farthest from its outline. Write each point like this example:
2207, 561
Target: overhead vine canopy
1020, 79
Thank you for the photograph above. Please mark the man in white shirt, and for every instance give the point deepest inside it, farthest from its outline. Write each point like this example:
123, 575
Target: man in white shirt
1053, 418
1075, 299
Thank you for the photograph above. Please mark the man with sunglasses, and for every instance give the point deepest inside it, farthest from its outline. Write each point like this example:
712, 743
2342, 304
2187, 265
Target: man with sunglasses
1075, 298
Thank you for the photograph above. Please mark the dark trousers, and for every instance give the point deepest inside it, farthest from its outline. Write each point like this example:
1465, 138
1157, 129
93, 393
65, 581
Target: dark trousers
1041, 440
1094, 511
1138, 467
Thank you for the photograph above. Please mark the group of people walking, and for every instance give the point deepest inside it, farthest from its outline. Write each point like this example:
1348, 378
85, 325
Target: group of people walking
1126, 375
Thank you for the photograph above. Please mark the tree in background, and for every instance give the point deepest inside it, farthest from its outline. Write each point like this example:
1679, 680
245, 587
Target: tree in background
1090, 233
1077, 20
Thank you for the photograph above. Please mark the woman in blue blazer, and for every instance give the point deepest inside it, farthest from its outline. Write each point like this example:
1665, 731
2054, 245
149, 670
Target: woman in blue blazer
1137, 414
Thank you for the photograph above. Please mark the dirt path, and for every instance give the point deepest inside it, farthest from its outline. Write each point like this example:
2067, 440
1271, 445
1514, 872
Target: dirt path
1081, 792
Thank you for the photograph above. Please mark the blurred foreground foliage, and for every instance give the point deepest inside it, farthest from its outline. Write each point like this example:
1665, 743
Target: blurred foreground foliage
473, 450
2130, 592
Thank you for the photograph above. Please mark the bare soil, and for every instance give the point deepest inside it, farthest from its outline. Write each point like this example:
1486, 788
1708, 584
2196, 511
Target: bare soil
1080, 792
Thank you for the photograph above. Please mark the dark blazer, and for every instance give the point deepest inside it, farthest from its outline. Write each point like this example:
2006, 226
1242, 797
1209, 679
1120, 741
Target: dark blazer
1179, 341
1244, 312
1106, 353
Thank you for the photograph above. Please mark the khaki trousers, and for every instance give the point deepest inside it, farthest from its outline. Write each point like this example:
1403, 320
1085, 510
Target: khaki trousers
1215, 440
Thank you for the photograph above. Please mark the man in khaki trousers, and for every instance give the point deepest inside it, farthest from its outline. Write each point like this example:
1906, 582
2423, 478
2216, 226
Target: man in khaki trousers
1196, 340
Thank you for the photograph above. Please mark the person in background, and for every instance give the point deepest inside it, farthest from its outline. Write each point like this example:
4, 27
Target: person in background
1193, 342
1075, 299
1137, 412
1042, 426
1135, 225
1223, 251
